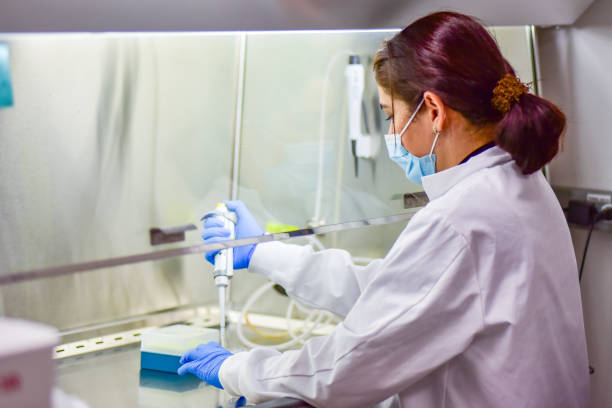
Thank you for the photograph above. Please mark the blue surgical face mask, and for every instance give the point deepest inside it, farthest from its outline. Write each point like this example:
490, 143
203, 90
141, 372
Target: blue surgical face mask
414, 167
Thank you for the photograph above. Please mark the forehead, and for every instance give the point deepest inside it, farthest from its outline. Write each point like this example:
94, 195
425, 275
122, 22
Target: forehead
383, 94
387, 102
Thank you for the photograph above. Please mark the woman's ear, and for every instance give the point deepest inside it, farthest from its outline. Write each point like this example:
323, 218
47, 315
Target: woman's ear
436, 110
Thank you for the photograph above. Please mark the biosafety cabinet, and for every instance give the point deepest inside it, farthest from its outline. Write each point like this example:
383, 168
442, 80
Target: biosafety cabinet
114, 146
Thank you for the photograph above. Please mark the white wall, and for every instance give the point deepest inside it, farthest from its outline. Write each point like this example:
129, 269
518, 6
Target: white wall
575, 67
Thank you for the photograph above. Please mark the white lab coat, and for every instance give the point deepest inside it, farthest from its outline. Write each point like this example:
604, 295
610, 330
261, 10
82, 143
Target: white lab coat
477, 304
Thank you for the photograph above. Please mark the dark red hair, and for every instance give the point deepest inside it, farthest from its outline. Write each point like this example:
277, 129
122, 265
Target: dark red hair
455, 57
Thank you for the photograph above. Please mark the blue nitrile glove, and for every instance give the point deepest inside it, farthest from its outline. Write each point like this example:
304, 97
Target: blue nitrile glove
246, 227
204, 362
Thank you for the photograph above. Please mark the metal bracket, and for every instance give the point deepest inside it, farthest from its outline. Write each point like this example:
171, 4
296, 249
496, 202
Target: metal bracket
417, 199
160, 236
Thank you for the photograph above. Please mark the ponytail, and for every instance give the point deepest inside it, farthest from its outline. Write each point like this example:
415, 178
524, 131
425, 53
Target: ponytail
530, 131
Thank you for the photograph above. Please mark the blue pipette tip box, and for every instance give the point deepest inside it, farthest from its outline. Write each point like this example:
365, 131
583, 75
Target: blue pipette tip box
161, 348
159, 361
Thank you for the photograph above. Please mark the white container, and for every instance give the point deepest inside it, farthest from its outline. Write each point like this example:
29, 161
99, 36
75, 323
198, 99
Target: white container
27, 370
176, 339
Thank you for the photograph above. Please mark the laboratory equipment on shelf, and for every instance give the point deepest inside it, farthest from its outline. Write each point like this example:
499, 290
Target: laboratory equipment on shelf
224, 263
363, 145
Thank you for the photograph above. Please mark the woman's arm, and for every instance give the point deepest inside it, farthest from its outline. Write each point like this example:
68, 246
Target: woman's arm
326, 279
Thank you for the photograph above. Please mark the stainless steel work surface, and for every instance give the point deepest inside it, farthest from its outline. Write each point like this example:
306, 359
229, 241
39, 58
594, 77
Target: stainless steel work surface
114, 379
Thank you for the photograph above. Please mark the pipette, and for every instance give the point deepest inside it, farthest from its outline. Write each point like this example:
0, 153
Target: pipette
224, 263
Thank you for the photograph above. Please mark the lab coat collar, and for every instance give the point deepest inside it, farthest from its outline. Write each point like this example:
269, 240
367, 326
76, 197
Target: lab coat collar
437, 184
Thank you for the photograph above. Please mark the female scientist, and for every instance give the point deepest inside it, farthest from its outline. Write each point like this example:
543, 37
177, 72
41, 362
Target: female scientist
477, 303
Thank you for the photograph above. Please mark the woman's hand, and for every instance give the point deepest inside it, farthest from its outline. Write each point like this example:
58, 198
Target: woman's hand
246, 227
204, 362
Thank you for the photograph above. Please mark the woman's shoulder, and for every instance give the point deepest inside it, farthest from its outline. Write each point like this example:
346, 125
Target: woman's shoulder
486, 203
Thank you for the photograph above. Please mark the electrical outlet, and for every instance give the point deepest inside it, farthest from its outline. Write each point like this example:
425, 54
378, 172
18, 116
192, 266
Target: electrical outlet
597, 198
600, 199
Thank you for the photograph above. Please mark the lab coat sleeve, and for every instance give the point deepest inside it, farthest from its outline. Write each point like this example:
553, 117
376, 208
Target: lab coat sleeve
422, 308
326, 279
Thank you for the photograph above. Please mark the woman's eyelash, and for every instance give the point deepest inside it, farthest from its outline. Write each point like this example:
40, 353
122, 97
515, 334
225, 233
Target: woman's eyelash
389, 118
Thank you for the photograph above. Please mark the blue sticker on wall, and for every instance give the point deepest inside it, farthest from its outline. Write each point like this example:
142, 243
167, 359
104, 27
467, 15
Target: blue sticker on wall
6, 90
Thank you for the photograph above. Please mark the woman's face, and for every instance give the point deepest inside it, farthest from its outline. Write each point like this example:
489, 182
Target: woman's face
418, 137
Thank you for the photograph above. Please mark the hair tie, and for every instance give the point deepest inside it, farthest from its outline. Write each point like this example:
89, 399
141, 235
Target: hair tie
508, 90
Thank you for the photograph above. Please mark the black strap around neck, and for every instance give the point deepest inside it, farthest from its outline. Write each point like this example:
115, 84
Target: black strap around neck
478, 151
